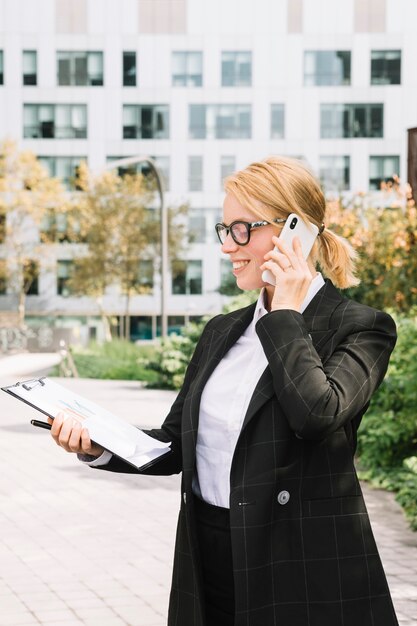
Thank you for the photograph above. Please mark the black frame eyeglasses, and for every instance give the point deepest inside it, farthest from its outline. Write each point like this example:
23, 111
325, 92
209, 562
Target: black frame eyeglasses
240, 230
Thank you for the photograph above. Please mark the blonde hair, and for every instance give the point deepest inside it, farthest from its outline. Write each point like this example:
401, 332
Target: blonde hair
278, 186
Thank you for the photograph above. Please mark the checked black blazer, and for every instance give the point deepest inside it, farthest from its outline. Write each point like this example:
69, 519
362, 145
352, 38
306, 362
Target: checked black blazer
303, 549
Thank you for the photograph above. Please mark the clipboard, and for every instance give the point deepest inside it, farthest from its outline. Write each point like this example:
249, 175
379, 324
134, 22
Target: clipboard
108, 430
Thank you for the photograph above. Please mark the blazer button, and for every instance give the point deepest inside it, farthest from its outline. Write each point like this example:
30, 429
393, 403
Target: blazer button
184, 497
283, 497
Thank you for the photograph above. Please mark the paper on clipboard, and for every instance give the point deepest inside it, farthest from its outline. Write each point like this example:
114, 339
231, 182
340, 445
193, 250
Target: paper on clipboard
105, 428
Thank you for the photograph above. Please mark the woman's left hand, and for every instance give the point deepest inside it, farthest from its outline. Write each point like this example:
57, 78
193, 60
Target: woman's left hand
292, 275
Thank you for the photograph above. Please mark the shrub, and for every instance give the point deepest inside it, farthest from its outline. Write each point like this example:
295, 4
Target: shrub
170, 359
387, 439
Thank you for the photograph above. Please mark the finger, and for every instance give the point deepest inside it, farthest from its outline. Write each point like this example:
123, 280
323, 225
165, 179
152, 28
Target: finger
65, 434
86, 443
56, 426
74, 441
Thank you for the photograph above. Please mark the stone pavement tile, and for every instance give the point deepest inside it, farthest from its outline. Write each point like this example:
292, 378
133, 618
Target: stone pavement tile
54, 617
22, 617
99, 614
139, 616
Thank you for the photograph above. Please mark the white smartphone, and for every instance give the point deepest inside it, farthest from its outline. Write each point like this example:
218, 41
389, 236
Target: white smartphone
295, 227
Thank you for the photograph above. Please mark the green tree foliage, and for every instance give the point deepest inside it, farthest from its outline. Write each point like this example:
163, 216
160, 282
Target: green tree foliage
120, 228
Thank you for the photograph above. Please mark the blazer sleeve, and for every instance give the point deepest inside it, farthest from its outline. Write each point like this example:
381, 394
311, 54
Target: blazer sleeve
170, 430
318, 397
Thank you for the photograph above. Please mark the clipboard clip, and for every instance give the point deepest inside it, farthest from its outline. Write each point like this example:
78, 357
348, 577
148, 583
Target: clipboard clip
34, 382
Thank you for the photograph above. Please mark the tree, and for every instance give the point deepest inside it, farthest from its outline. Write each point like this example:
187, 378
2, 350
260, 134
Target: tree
121, 230
27, 195
385, 238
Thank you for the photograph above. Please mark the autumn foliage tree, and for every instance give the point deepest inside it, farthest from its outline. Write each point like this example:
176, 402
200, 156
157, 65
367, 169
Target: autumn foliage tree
385, 238
27, 196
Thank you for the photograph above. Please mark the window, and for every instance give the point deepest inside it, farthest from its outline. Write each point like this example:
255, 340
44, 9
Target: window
64, 270
129, 69
30, 62
162, 163
146, 121
386, 67
326, 67
65, 168
3, 277
220, 121
335, 172
80, 68
227, 167
351, 120
187, 69
59, 227
382, 169
1, 68
277, 121
187, 277
31, 278
144, 284
236, 69
59, 121
197, 226
195, 173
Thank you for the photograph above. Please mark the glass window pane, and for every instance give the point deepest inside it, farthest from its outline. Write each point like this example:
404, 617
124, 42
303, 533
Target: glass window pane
335, 172
64, 68
29, 67
382, 169
197, 121
327, 67
386, 67
236, 69
227, 167
277, 121
187, 69
95, 68
351, 120
197, 226
195, 173
129, 69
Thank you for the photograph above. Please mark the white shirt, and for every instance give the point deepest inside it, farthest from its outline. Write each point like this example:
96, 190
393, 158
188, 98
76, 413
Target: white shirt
224, 402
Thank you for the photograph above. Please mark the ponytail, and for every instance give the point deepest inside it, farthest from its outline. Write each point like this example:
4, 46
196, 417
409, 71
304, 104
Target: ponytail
337, 259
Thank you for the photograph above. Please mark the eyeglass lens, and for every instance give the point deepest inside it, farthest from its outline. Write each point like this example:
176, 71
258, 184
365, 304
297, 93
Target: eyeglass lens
238, 230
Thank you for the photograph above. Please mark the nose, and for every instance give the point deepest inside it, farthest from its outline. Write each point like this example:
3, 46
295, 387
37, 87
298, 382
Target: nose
229, 245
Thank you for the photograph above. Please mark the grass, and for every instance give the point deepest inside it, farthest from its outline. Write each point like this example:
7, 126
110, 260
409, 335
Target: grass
115, 360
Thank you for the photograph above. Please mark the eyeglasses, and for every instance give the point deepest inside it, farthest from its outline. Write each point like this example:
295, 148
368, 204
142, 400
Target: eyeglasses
240, 231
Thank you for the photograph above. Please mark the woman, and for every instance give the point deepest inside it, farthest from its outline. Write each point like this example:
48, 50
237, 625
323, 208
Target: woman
273, 527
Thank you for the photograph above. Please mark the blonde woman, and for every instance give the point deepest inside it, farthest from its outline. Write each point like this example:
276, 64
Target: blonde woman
273, 527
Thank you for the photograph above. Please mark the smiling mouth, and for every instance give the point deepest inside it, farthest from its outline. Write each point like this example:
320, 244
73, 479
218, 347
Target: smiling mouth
237, 265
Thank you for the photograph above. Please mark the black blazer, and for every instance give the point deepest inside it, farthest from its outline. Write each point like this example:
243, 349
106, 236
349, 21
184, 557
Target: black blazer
303, 549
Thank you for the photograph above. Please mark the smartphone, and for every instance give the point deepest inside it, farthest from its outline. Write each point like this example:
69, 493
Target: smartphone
295, 227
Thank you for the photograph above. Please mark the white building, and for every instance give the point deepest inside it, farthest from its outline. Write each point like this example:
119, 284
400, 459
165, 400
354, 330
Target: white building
205, 87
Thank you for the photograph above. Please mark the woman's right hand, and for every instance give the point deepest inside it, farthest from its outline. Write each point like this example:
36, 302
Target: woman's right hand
70, 435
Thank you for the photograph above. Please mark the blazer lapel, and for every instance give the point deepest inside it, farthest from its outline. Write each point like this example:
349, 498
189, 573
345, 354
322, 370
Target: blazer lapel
317, 316
221, 340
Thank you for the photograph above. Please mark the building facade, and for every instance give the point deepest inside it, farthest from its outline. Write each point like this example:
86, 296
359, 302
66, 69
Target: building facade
204, 88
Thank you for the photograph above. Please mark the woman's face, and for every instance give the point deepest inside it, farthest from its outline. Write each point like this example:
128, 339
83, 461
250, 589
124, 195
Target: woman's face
246, 260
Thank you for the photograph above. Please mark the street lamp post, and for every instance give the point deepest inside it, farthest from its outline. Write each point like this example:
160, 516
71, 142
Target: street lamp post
164, 228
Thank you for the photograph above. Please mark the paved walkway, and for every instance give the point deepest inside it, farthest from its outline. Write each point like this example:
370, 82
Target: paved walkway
83, 547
